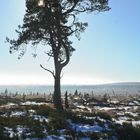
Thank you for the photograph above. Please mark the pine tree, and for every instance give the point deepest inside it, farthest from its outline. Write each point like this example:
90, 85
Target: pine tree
52, 23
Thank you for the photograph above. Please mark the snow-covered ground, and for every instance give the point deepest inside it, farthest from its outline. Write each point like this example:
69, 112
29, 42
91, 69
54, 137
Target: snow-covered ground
98, 121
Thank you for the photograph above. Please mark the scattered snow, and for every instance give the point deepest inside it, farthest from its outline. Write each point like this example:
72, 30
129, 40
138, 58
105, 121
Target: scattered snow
100, 119
8, 105
81, 107
123, 118
10, 131
136, 102
86, 128
114, 101
120, 113
131, 104
89, 118
107, 127
11, 104
15, 132
75, 104
49, 138
31, 111
55, 138
136, 123
4, 115
21, 130
32, 103
125, 108
40, 118
112, 108
121, 122
18, 114
132, 114
76, 98
135, 108
106, 108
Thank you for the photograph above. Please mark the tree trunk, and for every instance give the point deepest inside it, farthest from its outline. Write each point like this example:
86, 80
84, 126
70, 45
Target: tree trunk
57, 89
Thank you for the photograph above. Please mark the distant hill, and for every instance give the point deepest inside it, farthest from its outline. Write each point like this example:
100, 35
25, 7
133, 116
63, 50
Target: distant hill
125, 83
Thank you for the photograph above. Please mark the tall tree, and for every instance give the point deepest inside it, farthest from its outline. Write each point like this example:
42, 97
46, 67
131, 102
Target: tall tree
52, 22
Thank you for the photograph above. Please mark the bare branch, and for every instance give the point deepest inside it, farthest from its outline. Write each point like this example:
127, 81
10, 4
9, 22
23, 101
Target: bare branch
52, 72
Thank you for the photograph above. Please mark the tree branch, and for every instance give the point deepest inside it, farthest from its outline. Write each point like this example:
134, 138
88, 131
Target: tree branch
67, 55
52, 72
71, 9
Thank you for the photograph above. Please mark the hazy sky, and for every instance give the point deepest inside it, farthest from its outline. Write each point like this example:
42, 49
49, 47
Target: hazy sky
109, 50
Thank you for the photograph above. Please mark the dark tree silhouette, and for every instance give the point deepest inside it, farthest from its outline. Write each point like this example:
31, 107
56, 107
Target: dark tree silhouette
52, 22
66, 100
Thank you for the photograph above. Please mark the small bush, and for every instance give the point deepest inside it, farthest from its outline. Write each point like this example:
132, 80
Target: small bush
128, 132
104, 115
43, 110
57, 120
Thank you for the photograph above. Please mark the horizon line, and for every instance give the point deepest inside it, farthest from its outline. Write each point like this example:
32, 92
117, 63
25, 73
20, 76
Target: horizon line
109, 83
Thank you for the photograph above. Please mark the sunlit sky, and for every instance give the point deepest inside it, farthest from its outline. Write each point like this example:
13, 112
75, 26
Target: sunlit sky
109, 50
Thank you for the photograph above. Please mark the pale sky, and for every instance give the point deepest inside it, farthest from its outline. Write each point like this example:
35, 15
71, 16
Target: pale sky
109, 50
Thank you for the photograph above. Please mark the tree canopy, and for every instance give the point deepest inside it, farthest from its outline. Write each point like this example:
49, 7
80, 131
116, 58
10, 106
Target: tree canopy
52, 22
